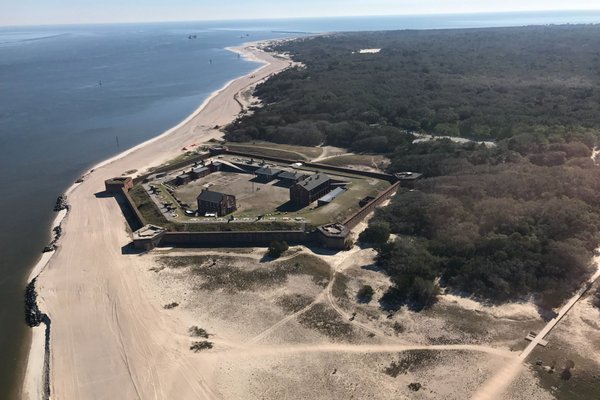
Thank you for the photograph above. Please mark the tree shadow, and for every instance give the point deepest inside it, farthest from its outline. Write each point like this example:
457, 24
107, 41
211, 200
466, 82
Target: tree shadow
323, 251
288, 206
125, 207
284, 184
103, 194
130, 250
372, 267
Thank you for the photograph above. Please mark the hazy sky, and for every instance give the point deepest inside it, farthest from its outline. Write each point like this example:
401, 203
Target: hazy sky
26, 12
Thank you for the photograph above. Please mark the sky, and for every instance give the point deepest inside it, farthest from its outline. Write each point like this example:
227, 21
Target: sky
41, 12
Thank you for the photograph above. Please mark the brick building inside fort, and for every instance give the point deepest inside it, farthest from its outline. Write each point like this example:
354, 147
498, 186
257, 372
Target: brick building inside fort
215, 202
310, 189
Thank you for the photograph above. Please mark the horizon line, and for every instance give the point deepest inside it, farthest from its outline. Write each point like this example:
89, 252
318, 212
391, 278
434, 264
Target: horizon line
596, 10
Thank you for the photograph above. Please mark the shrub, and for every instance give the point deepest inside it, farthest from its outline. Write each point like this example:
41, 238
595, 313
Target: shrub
365, 294
199, 346
375, 234
277, 248
596, 298
198, 332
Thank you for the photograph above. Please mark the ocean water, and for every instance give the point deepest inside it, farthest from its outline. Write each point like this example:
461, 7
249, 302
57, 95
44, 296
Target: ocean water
57, 120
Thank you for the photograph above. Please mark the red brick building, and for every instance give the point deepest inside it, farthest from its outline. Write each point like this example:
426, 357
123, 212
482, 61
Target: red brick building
310, 189
215, 202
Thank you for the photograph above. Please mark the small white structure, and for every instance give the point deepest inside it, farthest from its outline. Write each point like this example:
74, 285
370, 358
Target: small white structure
369, 51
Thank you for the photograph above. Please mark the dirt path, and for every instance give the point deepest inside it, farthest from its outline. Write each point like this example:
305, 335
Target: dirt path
329, 152
351, 261
257, 351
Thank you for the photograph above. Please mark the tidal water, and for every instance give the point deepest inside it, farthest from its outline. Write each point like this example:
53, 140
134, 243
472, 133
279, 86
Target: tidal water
71, 96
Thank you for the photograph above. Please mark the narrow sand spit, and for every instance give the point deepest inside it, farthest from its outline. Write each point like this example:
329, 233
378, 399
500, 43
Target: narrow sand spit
106, 340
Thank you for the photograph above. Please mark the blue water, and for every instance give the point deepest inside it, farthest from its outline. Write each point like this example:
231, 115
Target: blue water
56, 120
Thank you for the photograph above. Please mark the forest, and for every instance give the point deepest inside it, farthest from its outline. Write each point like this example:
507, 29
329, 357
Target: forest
502, 221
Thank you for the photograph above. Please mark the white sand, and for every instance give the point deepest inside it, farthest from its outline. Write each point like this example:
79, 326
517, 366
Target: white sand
107, 341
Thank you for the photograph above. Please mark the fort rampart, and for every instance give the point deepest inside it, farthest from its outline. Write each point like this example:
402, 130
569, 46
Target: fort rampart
259, 238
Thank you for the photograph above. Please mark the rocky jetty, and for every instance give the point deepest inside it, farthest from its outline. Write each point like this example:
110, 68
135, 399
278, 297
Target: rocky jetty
33, 315
61, 203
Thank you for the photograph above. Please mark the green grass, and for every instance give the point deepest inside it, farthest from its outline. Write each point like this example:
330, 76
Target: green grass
345, 204
148, 209
325, 320
276, 150
410, 361
292, 303
367, 160
341, 208
238, 227
306, 264
152, 215
222, 273
340, 286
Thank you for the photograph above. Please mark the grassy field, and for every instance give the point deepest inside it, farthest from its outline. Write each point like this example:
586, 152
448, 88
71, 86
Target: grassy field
342, 207
226, 273
277, 150
366, 160
345, 204
148, 209
261, 206
152, 215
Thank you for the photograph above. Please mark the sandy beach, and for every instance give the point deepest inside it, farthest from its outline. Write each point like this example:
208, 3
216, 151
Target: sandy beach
106, 340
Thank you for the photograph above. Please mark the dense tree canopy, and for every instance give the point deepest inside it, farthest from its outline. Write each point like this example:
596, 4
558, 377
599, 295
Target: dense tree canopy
480, 83
502, 222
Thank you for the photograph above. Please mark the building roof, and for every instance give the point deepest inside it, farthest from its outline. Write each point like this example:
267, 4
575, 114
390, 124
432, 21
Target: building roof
295, 175
268, 171
211, 197
148, 231
332, 195
314, 181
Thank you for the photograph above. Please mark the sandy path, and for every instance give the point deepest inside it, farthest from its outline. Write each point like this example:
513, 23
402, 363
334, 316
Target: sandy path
341, 261
330, 152
359, 349
107, 340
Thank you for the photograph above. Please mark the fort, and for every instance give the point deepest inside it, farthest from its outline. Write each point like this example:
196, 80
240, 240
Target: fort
223, 198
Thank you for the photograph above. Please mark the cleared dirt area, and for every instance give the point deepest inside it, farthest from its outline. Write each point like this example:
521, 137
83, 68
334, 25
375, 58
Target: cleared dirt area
252, 197
293, 328
272, 199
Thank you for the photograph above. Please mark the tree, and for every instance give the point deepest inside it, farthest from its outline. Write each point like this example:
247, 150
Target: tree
277, 248
365, 294
423, 293
378, 233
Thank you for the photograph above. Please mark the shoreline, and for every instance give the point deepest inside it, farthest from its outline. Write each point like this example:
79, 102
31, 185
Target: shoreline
61, 215
33, 382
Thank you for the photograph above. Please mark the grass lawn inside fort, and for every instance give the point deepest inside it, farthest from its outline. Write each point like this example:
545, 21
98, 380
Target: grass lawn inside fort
261, 205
